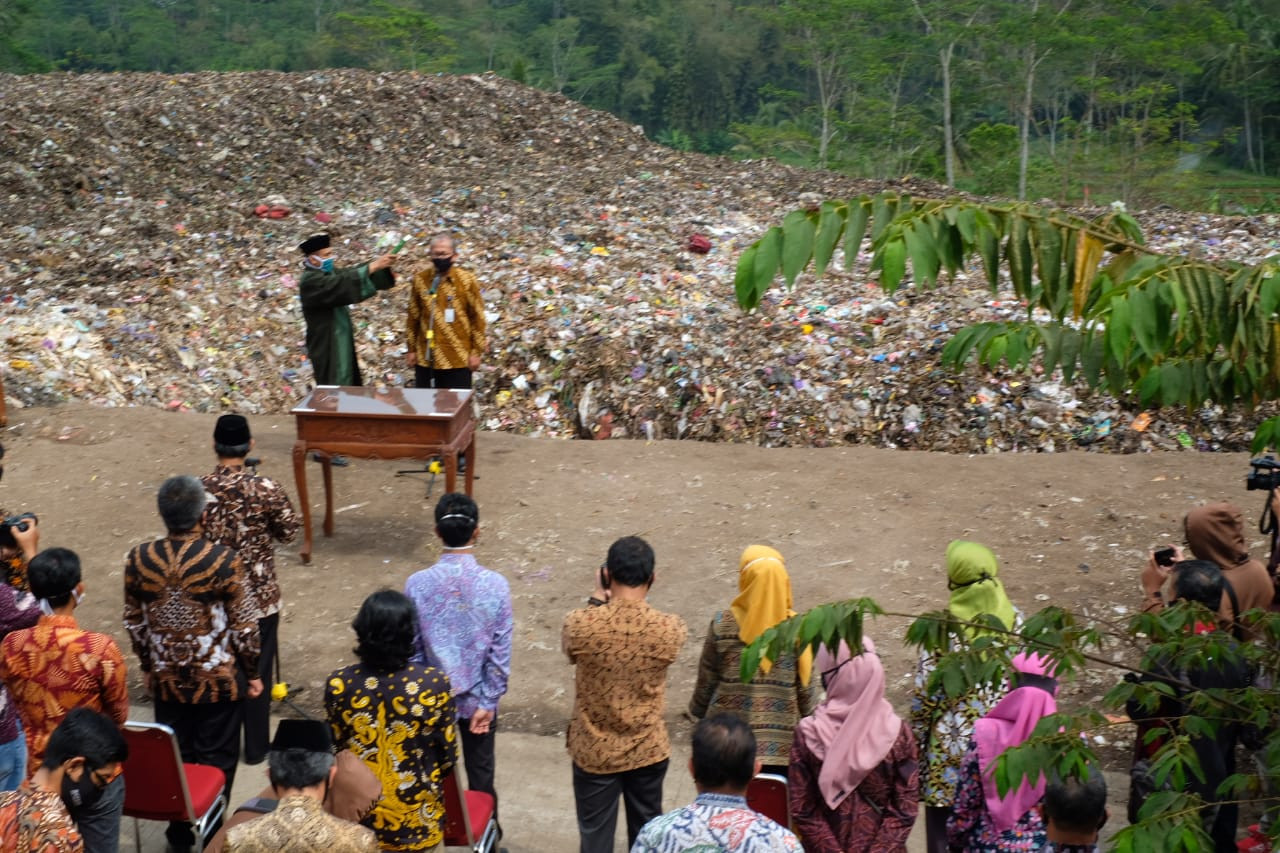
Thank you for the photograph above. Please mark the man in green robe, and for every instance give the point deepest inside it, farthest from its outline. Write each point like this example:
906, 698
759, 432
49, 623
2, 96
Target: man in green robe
326, 292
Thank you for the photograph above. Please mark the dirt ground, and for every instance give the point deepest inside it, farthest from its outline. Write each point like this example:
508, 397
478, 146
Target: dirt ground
1070, 529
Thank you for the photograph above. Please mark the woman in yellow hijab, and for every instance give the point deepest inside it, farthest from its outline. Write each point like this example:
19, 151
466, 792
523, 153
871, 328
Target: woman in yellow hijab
780, 693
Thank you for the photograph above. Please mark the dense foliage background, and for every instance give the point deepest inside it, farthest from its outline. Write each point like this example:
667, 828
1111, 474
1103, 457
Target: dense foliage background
1144, 100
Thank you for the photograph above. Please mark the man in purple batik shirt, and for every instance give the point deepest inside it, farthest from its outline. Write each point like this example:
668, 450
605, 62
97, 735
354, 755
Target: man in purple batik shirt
464, 627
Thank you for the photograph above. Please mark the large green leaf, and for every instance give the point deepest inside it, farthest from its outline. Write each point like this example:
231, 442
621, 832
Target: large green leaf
893, 263
1018, 255
924, 261
855, 229
830, 224
1048, 259
1144, 310
798, 230
744, 280
1119, 329
768, 256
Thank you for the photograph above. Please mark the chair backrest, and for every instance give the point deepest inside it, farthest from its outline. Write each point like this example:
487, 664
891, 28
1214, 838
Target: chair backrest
155, 783
767, 794
457, 820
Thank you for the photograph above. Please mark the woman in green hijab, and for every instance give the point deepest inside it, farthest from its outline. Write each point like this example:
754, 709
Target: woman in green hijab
944, 726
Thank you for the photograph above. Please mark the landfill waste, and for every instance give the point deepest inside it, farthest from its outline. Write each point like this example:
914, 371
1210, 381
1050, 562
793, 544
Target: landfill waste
150, 225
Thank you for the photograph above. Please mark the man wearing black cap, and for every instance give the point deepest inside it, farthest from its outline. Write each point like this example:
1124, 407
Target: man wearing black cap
250, 514
301, 768
326, 292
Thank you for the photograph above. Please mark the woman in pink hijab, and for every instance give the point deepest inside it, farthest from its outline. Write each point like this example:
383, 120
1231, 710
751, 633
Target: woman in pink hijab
982, 821
853, 779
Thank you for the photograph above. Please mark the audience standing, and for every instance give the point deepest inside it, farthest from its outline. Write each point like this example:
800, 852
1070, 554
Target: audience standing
301, 768
943, 726
82, 755
854, 779
194, 629
1215, 532
621, 649
780, 692
1075, 810
18, 610
398, 717
18, 544
465, 626
723, 763
1200, 582
981, 820
55, 667
250, 514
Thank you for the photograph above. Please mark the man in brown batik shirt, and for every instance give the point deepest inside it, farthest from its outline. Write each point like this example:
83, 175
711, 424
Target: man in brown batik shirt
617, 738
195, 632
250, 514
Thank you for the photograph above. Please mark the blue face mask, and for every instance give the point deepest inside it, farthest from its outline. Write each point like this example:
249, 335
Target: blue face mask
326, 264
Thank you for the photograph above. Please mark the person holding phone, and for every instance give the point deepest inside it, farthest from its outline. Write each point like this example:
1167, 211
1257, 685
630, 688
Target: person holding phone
445, 330
1214, 532
621, 649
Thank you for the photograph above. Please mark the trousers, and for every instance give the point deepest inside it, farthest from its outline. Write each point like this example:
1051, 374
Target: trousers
595, 796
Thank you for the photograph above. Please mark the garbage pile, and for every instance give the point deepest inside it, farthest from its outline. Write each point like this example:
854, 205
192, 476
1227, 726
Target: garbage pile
149, 226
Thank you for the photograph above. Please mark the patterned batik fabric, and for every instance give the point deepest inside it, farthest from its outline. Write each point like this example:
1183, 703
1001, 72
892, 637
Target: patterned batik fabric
969, 828
621, 650
714, 822
36, 821
18, 610
250, 514
875, 818
443, 329
401, 725
772, 702
464, 626
191, 623
55, 667
300, 824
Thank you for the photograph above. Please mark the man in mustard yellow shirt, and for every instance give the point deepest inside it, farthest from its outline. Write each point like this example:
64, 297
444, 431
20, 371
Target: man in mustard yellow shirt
446, 320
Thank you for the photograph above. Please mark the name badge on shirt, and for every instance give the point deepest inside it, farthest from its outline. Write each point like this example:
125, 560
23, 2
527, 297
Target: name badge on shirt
449, 315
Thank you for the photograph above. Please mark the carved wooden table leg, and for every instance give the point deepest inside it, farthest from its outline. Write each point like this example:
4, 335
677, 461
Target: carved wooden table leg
300, 478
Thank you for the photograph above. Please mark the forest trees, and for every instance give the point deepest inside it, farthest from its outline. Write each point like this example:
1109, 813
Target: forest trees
1113, 96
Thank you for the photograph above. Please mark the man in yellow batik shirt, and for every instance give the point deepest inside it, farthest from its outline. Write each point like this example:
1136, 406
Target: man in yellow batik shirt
446, 320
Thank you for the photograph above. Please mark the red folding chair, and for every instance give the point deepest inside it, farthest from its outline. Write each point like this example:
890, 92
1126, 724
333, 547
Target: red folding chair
767, 794
158, 785
468, 817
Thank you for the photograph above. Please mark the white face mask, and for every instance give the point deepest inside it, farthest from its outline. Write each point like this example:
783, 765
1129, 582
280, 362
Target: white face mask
78, 596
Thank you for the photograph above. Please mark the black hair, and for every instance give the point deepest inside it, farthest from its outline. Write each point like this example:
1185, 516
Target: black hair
630, 562
724, 752
1200, 581
454, 531
231, 451
53, 575
297, 768
1075, 804
385, 630
85, 732
181, 502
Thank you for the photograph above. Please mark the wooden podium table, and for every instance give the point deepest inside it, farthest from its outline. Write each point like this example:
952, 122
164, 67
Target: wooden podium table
398, 423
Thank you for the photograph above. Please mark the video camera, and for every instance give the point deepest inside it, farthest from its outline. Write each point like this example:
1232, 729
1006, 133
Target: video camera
22, 523
1264, 474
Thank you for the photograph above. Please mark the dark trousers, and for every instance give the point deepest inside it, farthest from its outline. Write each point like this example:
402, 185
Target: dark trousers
595, 795
207, 734
426, 377
477, 757
257, 712
935, 828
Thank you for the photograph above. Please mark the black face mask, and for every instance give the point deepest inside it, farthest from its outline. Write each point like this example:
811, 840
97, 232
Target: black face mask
442, 264
80, 795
